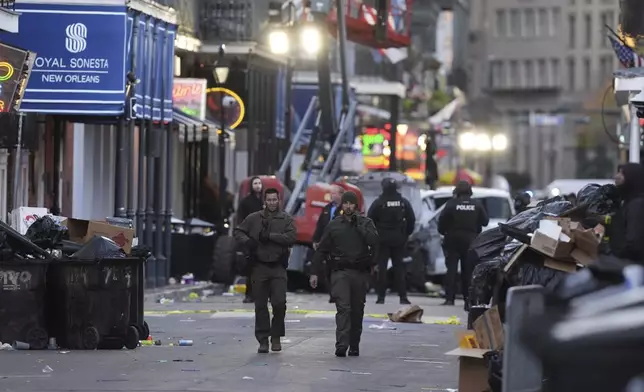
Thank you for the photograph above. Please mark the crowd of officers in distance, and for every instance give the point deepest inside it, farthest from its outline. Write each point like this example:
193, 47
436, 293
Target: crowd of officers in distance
349, 248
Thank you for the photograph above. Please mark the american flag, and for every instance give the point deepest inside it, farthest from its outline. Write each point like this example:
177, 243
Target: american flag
625, 54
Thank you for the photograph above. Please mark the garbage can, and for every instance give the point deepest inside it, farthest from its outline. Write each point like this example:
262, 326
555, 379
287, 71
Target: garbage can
96, 303
22, 302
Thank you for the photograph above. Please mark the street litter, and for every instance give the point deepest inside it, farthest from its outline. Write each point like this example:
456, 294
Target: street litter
452, 320
20, 345
63, 352
407, 314
6, 347
361, 373
164, 301
47, 369
185, 342
190, 370
247, 378
182, 360
382, 326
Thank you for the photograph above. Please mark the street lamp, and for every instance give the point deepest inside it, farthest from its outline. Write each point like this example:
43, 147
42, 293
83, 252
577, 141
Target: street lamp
221, 73
485, 144
310, 37
279, 42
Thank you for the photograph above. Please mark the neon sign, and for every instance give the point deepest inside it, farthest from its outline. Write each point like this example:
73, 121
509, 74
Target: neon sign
8, 71
238, 112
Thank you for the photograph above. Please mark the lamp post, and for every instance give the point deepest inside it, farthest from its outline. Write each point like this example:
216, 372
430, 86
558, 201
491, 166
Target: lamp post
485, 145
221, 75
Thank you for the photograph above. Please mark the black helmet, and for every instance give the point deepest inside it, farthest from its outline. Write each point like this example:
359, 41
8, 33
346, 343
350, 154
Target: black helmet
463, 188
350, 197
389, 184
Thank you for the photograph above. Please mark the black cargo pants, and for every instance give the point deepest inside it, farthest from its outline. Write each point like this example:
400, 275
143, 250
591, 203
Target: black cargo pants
269, 281
349, 289
454, 253
384, 253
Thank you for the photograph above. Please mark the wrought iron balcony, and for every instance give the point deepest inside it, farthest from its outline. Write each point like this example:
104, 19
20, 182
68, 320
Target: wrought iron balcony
8, 17
8, 4
225, 20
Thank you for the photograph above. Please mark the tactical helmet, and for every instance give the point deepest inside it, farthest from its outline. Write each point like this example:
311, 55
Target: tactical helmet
389, 184
463, 188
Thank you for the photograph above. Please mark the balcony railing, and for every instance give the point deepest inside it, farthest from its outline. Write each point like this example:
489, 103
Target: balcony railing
223, 20
8, 4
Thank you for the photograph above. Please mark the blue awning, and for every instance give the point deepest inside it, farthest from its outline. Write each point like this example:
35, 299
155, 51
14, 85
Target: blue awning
195, 128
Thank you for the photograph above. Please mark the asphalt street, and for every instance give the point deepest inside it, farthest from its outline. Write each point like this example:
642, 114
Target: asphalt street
394, 356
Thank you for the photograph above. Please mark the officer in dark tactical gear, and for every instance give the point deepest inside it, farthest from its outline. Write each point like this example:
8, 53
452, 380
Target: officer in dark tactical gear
521, 202
395, 220
347, 245
460, 223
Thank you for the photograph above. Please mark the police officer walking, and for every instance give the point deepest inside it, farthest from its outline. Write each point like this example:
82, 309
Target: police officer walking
461, 221
329, 212
347, 246
394, 218
268, 234
252, 203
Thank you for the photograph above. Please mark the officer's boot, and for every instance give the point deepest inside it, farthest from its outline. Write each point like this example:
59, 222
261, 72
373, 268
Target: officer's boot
448, 302
404, 301
380, 300
354, 351
340, 352
276, 345
263, 347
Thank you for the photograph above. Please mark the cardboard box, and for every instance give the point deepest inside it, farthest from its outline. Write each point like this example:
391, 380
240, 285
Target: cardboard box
489, 330
83, 230
561, 265
472, 371
549, 246
587, 242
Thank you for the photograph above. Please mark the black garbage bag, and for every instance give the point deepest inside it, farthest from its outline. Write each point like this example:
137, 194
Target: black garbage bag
141, 252
528, 220
47, 233
484, 279
489, 243
494, 362
99, 248
587, 193
529, 273
604, 201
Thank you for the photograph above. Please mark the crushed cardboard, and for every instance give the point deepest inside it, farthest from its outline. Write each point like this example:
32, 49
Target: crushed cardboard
489, 331
81, 230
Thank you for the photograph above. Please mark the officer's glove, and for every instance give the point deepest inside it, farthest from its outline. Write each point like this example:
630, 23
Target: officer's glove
264, 236
313, 281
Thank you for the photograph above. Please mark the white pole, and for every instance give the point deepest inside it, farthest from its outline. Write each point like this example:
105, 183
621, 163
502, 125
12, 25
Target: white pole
17, 188
634, 140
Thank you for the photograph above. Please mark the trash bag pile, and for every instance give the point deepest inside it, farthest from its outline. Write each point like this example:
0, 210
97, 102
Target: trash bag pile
511, 255
48, 238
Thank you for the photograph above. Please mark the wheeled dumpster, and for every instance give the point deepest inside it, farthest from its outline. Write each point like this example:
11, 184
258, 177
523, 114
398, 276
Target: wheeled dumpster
22, 302
96, 303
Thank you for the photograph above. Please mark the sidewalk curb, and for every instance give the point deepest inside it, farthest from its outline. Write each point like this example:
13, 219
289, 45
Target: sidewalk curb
179, 292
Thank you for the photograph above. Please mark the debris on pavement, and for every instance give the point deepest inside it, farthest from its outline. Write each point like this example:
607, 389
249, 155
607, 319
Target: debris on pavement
185, 342
166, 301
452, 320
247, 378
47, 369
384, 325
407, 314
17, 345
6, 347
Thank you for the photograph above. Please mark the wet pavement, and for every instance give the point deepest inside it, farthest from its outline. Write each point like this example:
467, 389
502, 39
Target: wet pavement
394, 356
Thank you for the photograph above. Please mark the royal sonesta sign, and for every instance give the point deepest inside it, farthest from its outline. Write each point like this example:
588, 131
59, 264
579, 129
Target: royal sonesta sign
80, 65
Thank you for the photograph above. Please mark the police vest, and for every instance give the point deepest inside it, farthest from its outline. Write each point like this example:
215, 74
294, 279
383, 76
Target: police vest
394, 216
465, 207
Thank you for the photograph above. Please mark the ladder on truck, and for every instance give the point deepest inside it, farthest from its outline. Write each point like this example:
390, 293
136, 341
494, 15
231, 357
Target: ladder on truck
322, 162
